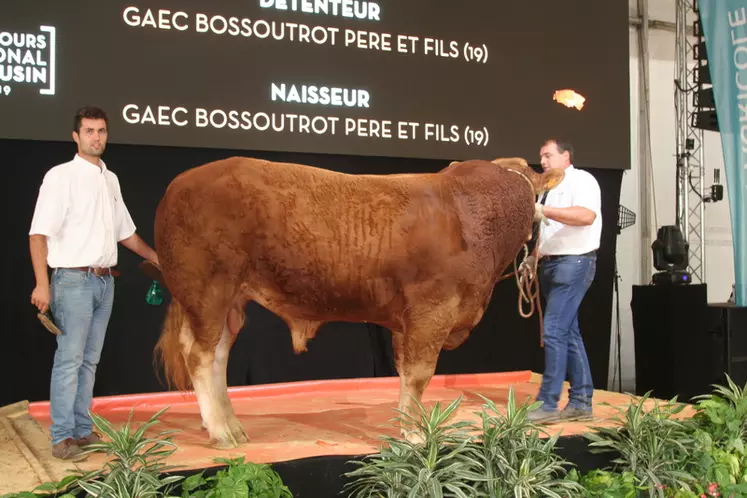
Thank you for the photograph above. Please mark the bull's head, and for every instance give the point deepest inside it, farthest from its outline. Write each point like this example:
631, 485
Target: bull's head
541, 182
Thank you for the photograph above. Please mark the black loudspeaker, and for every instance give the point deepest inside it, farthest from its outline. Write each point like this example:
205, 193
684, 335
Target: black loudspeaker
727, 323
675, 355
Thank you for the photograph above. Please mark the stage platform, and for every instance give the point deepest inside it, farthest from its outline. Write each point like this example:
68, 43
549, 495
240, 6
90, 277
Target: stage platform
286, 422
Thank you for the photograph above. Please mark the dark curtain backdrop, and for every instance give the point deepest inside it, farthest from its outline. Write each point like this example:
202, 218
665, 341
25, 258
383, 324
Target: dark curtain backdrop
503, 341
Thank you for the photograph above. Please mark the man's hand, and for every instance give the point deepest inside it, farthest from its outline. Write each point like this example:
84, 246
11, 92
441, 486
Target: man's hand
40, 297
539, 213
40, 294
529, 265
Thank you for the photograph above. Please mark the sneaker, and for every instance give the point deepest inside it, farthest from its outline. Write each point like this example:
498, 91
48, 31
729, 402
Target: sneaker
89, 439
571, 413
68, 450
542, 416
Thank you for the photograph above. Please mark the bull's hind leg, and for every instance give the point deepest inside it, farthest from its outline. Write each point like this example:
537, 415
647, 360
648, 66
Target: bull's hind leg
202, 359
233, 324
220, 383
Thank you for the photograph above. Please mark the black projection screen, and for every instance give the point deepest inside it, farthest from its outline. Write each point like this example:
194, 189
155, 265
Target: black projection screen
407, 78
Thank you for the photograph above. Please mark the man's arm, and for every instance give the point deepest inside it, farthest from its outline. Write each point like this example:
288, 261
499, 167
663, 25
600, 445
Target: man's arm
574, 216
127, 234
40, 295
137, 245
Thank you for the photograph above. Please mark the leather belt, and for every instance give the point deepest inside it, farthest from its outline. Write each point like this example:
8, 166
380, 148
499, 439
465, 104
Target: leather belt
97, 271
556, 256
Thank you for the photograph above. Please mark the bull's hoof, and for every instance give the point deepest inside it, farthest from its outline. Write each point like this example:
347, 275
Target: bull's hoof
234, 436
239, 434
226, 442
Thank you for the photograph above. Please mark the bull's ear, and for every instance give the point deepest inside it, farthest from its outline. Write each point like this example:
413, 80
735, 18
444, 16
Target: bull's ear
520, 165
549, 179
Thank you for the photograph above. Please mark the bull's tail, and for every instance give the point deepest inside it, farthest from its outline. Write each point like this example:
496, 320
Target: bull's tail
169, 348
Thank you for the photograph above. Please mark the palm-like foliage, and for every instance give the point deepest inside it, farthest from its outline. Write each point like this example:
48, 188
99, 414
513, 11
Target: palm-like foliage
515, 458
136, 465
438, 466
504, 457
652, 445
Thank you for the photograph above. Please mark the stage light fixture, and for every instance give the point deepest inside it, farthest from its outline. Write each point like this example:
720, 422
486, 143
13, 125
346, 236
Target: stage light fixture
670, 251
717, 190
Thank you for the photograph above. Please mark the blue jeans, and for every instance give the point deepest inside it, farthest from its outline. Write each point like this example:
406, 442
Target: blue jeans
81, 304
564, 281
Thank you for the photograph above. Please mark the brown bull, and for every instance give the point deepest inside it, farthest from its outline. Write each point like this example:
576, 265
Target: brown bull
418, 254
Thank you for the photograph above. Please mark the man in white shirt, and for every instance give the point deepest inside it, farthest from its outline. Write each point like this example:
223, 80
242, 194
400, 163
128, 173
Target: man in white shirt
79, 218
569, 236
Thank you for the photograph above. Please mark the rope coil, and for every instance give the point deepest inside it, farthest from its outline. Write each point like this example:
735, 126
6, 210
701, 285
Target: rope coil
527, 282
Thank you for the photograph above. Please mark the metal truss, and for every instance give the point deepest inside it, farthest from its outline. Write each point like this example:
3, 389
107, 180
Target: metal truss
689, 144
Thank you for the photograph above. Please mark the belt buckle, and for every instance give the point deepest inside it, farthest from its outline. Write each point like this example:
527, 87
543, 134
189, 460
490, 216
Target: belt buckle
101, 271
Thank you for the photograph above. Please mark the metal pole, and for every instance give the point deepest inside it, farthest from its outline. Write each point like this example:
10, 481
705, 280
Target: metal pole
645, 190
681, 84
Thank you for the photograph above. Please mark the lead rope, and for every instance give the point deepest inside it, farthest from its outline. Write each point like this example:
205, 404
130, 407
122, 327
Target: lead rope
528, 284
527, 278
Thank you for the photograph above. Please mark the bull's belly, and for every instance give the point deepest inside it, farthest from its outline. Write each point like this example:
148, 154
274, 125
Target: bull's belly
373, 300
381, 300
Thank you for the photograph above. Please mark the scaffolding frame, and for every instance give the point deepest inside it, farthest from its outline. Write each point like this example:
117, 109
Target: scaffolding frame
690, 205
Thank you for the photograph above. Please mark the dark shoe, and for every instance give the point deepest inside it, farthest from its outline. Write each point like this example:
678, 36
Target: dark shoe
571, 413
542, 416
89, 439
68, 450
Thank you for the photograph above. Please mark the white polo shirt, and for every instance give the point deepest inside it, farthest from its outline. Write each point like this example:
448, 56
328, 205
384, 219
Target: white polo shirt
81, 211
578, 188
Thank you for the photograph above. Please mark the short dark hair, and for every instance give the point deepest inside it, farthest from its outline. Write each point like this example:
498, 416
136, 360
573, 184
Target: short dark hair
88, 112
563, 146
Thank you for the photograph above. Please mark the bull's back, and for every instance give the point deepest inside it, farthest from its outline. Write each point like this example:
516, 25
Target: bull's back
325, 239
329, 242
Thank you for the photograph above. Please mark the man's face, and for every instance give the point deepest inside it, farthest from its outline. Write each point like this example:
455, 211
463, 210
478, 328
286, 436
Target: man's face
550, 157
91, 139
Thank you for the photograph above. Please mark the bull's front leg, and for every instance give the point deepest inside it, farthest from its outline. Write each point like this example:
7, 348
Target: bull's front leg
416, 355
